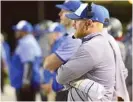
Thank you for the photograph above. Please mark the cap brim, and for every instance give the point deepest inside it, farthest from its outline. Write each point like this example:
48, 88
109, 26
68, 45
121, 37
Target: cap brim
62, 7
73, 16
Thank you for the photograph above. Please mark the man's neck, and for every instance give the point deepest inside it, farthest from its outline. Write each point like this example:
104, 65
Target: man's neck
93, 31
70, 30
24, 35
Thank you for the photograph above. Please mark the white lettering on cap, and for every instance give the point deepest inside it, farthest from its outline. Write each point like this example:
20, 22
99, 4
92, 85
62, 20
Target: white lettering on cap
21, 24
80, 9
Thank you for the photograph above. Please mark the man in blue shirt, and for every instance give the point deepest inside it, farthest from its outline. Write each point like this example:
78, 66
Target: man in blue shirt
53, 35
55, 38
67, 48
25, 64
40, 33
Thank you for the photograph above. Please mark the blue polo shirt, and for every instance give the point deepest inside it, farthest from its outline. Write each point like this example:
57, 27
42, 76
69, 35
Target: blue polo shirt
47, 74
68, 47
27, 50
65, 51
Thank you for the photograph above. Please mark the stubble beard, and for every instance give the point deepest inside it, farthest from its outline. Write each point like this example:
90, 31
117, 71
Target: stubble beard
79, 33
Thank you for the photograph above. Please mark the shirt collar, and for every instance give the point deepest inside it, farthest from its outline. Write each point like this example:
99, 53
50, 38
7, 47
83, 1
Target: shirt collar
24, 38
90, 36
105, 31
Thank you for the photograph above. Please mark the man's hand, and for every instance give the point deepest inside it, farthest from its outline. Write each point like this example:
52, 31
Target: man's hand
47, 88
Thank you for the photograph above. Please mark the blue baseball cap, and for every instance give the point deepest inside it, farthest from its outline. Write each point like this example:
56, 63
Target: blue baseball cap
69, 5
97, 13
106, 15
23, 25
42, 27
57, 27
39, 30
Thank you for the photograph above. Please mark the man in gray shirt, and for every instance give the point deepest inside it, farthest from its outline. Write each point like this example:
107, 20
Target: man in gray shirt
92, 88
84, 64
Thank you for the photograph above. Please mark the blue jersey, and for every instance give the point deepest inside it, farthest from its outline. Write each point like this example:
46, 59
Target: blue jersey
57, 43
68, 46
55, 86
27, 50
47, 74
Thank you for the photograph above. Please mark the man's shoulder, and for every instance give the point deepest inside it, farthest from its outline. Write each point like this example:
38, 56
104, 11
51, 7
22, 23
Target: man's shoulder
71, 41
70, 37
26, 45
28, 42
95, 41
95, 45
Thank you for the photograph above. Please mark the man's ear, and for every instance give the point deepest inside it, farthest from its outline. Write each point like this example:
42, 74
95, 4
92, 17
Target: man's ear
89, 22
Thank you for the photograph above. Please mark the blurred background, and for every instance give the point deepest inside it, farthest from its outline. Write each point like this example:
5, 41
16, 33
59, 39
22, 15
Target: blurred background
37, 11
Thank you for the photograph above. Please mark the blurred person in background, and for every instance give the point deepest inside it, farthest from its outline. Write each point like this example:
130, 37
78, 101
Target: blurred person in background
115, 29
67, 48
41, 29
55, 38
56, 34
24, 72
128, 61
41, 34
3, 63
120, 87
5, 60
6, 46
